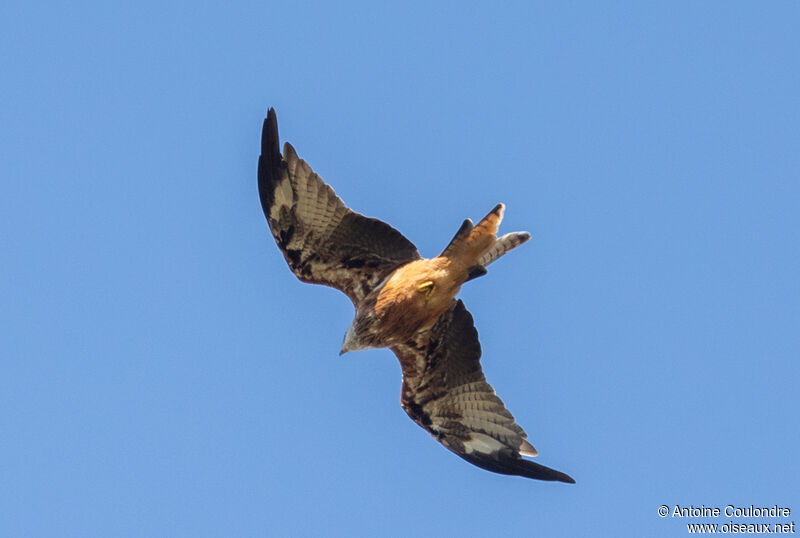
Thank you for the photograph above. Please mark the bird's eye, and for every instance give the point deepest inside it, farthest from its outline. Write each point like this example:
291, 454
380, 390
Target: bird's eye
426, 287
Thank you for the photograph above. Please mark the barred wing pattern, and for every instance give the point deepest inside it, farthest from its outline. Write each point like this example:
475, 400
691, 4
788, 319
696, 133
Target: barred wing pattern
444, 391
323, 241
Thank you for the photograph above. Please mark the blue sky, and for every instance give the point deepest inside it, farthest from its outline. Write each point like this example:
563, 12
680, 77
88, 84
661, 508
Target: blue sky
164, 374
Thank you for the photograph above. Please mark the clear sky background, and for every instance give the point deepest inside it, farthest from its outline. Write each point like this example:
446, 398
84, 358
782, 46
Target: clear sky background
164, 374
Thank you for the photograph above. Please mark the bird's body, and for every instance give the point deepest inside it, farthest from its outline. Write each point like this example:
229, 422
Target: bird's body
403, 302
416, 294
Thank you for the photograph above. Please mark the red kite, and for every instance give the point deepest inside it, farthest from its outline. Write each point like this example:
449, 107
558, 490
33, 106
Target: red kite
403, 302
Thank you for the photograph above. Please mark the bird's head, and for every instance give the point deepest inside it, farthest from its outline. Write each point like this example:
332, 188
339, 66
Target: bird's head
362, 332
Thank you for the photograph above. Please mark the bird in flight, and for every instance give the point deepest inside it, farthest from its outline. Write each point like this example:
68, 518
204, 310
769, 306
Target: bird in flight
404, 302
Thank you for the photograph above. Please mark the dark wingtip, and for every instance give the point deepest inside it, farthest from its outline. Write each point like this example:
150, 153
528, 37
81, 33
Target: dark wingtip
507, 463
269, 161
269, 135
530, 469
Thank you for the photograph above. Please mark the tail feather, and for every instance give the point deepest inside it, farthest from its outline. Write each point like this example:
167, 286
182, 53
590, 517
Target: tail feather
458, 240
503, 245
490, 223
476, 246
471, 242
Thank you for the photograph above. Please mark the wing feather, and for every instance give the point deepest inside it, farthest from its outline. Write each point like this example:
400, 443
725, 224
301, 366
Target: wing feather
323, 241
444, 391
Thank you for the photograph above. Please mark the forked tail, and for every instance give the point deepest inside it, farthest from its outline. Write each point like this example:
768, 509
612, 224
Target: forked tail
477, 246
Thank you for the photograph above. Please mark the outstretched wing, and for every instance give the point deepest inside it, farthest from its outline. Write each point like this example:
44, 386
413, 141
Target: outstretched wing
323, 241
445, 392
